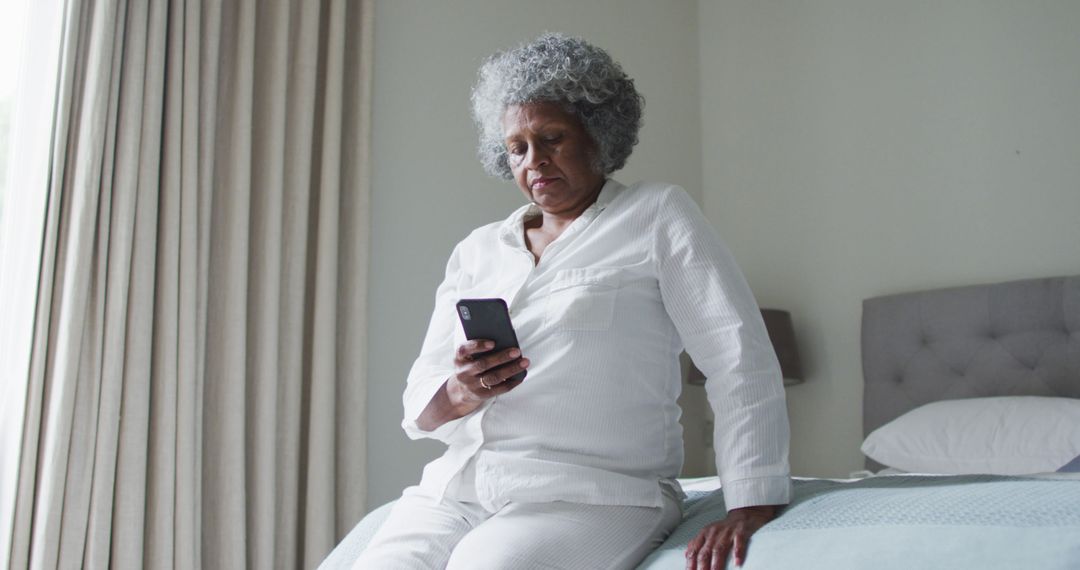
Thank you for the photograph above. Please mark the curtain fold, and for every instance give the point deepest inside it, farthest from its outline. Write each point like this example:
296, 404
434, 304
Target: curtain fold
196, 390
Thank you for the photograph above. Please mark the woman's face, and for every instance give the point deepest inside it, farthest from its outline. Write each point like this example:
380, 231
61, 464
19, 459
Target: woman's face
551, 157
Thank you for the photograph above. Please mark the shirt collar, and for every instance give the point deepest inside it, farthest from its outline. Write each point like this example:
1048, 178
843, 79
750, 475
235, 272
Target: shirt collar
512, 230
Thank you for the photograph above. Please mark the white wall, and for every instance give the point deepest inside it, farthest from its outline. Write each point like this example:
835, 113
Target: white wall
855, 148
428, 189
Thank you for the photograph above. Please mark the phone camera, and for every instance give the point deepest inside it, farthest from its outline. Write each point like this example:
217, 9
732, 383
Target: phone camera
465, 313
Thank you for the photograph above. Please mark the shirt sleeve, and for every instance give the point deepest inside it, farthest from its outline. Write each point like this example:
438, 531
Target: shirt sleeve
436, 361
715, 313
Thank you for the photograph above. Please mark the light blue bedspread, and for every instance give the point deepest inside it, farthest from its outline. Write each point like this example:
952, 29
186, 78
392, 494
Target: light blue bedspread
906, 521
881, 523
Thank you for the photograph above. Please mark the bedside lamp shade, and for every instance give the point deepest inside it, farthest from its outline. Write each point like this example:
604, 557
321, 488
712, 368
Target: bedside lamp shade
782, 336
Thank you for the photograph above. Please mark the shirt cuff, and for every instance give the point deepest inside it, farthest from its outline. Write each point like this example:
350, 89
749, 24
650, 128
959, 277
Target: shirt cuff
442, 433
417, 398
757, 491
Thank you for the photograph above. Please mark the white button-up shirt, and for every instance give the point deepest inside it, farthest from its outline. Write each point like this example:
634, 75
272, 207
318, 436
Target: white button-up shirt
602, 318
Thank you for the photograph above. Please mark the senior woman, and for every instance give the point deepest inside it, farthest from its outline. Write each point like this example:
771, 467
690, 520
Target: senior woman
575, 466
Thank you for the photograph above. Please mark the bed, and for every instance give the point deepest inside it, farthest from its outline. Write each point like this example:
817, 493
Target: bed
971, 417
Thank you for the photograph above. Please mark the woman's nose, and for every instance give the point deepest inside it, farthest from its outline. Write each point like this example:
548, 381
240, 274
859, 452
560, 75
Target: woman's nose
538, 156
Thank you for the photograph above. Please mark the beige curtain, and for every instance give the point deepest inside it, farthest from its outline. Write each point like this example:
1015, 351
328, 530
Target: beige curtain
196, 389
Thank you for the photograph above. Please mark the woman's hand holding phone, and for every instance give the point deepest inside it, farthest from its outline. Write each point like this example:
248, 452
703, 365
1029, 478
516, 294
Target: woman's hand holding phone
480, 374
489, 364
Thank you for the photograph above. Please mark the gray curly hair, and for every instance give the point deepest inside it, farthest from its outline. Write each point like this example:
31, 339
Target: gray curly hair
580, 77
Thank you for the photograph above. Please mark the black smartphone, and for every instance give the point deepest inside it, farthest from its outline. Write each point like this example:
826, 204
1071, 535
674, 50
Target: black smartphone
489, 319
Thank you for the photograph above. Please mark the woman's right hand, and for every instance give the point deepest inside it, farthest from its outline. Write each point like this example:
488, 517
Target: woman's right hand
477, 378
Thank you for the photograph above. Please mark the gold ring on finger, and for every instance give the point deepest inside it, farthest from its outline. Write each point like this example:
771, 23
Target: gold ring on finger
484, 384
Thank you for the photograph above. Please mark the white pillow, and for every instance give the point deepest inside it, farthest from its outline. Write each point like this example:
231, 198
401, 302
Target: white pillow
1011, 435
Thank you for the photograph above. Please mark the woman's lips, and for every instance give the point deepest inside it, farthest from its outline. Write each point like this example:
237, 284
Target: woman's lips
541, 182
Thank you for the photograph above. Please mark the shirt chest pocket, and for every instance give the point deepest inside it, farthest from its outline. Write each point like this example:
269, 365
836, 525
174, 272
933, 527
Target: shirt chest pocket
582, 299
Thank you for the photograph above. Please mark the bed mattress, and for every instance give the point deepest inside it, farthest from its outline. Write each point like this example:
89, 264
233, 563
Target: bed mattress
906, 521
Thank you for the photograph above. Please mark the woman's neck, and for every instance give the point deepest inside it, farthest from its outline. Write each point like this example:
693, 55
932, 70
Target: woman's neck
556, 222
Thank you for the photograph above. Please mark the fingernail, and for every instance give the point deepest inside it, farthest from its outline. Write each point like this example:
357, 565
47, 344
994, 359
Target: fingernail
514, 353
524, 362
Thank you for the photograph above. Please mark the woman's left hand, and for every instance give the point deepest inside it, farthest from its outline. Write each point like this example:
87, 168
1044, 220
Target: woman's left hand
709, 549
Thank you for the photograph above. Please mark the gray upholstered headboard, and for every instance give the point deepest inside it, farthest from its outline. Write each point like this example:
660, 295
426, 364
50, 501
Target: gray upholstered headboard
1016, 338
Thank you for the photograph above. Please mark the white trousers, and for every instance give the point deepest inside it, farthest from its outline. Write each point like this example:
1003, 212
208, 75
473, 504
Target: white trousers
425, 532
